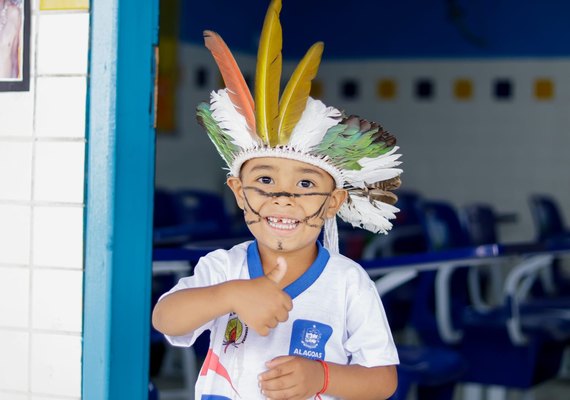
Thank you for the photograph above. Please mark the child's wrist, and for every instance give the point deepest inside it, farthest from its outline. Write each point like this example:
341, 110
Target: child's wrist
227, 293
325, 379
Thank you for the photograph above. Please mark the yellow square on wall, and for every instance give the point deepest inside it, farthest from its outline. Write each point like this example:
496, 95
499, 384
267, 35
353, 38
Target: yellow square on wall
64, 5
543, 89
386, 89
463, 89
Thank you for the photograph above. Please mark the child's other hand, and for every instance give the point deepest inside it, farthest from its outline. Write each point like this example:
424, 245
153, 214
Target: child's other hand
291, 378
261, 303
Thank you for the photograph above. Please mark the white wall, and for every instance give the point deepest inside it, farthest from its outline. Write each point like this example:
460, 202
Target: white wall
42, 146
481, 149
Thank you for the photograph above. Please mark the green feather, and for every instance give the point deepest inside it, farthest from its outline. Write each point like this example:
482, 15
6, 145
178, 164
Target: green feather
221, 140
352, 140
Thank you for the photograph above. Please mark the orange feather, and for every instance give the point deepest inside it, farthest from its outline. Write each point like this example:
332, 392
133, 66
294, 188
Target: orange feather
238, 90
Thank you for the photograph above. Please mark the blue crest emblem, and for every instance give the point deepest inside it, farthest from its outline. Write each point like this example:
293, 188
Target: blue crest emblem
309, 338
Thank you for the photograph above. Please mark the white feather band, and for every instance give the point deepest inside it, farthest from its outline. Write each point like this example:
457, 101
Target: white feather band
375, 169
290, 153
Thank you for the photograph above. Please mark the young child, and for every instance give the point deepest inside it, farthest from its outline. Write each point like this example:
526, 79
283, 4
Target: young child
289, 318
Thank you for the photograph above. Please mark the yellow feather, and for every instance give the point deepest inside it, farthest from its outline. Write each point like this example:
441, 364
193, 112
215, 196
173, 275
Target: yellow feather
296, 93
268, 76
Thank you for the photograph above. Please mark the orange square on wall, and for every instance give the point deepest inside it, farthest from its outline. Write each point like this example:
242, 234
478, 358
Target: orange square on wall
386, 89
543, 89
463, 89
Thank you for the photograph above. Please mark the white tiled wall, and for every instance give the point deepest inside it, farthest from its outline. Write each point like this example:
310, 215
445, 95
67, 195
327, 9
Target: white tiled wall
42, 157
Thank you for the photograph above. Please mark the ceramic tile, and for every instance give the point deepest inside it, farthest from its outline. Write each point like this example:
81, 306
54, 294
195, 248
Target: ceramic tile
17, 113
14, 297
56, 364
15, 170
14, 234
58, 237
61, 107
57, 300
63, 43
59, 172
14, 347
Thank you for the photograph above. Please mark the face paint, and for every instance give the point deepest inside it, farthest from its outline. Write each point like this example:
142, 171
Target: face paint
285, 203
318, 214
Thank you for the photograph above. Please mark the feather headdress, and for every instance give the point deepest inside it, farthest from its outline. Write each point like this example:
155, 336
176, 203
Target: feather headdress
359, 155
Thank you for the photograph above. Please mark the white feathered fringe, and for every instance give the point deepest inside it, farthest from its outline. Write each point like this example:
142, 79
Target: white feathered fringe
375, 169
230, 120
372, 215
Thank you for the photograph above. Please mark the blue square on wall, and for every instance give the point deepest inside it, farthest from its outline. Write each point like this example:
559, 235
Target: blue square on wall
425, 89
350, 89
503, 89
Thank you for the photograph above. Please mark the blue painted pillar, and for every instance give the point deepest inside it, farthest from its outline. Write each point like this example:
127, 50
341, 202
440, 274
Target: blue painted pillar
119, 197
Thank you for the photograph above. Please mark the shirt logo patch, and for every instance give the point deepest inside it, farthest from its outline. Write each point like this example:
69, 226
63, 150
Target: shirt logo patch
236, 332
309, 338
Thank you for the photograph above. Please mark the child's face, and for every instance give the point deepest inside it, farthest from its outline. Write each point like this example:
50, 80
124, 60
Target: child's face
285, 202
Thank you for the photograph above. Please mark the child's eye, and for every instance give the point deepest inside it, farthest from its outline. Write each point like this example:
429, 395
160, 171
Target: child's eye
265, 180
306, 184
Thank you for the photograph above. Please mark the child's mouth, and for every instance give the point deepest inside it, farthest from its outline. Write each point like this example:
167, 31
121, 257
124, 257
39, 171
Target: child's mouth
282, 223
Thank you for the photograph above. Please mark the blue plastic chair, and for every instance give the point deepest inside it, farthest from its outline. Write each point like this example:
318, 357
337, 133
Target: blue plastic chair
484, 335
152, 392
547, 218
550, 289
192, 215
480, 223
433, 371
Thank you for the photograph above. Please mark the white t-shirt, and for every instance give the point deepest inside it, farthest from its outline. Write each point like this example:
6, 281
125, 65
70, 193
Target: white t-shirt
337, 316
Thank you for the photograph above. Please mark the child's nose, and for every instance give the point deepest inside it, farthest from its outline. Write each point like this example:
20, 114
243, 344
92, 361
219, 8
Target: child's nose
283, 199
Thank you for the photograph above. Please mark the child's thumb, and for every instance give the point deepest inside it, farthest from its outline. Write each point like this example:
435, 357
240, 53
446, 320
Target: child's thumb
277, 273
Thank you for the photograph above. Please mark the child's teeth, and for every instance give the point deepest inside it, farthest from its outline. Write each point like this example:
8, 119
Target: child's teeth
282, 223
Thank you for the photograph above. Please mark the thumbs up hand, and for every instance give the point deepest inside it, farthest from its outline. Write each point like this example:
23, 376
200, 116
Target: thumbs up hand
278, 273
260, 302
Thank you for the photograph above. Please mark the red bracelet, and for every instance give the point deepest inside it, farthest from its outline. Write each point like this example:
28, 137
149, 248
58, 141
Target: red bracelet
326, 382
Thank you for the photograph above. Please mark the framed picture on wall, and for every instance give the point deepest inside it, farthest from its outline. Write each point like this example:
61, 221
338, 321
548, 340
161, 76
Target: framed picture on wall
14, 45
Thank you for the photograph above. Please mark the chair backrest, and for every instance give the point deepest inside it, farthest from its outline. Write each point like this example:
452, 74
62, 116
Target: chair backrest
546, 215
442, 226
443, 230
480, 223
200, 205
167, 208
409, 205
191, 214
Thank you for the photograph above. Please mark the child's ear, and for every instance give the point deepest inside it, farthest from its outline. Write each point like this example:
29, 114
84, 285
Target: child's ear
338, 197
235, 185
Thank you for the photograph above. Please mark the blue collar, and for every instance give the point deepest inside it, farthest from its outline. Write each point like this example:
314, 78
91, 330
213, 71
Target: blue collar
303, 282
